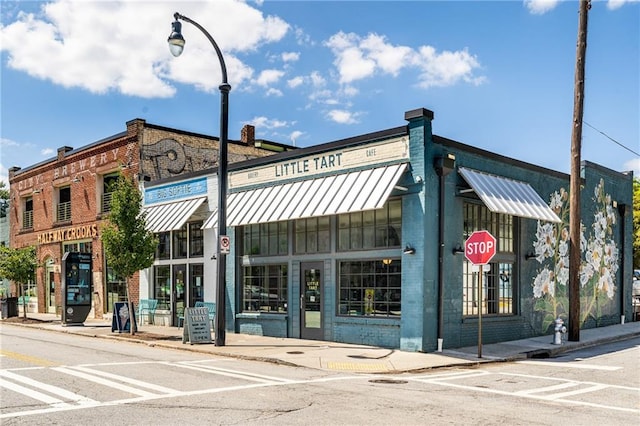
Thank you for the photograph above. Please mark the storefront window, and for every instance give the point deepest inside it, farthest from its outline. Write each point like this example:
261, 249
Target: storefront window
164, 246
196, 239
312, 235
265, 239
180, 243
162, 286
370, 287
371, 229
116, 289
497, 281
265, 288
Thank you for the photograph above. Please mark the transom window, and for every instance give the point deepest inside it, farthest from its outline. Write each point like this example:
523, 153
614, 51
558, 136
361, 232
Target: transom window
371, 229
313, 235
496, 297
265, 239
264, 288
370, 287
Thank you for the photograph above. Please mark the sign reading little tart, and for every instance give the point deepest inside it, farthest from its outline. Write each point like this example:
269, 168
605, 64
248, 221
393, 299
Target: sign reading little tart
197, 326
387, 151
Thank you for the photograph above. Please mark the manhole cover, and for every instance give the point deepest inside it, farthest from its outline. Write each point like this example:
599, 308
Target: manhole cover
295, 352
388, 381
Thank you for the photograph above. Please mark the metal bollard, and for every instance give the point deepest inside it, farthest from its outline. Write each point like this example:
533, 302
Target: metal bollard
559, 329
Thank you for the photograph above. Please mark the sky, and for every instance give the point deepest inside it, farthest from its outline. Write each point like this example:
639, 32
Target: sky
499, 75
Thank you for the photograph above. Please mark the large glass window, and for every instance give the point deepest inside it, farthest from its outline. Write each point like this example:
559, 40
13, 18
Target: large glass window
371, 229
162, 286
370, 287
312, 235
497, 295
163, 251
180, 243
265, 239
108, 187
116, 289
196, 239
264, 288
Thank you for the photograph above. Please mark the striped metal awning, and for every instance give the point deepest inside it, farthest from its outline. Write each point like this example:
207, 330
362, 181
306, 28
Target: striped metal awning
328, 195
212, 221
504, 195
171, 216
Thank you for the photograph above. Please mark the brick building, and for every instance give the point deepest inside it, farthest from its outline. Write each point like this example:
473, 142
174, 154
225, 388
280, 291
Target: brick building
60, 204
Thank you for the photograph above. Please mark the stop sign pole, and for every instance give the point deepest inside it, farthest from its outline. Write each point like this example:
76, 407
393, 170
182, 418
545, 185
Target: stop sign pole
479, 249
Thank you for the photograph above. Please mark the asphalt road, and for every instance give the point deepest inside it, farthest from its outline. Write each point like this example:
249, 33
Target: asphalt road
58, 378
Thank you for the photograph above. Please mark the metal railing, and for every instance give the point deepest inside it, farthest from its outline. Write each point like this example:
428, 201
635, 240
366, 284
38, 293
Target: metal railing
106, 202
27, 219
64, 211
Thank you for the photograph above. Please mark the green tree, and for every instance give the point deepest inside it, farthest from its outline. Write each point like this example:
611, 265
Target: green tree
636, 223
19, 265
129, 246
4, 199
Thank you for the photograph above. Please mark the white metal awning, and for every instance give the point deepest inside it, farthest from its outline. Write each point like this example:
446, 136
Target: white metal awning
212, 221
171, 216
323, 196
504, 195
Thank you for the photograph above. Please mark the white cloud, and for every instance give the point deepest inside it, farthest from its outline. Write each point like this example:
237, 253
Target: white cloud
540, 7
343, 116
294, 136
119, 46
273, 92
268, 77
617, 4
290, 56
263, 122
634, 166
358, 58
45, 152
295, 82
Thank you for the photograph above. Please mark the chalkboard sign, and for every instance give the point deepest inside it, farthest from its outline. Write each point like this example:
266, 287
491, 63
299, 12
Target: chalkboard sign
197, 326
121, 320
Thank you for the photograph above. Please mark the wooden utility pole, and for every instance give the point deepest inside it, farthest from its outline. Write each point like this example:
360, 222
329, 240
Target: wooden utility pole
574, 192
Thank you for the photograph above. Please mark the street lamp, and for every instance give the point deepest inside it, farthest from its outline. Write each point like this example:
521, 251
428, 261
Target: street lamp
176, 46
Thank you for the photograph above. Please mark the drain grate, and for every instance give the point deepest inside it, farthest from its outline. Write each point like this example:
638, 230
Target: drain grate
295, 352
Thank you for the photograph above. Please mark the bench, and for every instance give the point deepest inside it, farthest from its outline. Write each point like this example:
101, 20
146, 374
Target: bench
147, 307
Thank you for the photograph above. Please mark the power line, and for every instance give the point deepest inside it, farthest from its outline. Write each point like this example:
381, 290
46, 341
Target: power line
612, 139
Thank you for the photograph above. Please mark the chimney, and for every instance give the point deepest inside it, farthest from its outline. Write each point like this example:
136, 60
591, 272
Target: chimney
63, 150
248, 134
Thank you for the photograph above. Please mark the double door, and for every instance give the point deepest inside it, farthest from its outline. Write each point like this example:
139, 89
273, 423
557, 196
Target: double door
187, 289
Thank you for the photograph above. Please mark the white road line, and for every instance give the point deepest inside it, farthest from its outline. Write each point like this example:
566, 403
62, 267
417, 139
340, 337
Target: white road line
103, 382
231, 373
63, 393
571, 365
125, 379
242, 373
34, 394
548, 388
577, 392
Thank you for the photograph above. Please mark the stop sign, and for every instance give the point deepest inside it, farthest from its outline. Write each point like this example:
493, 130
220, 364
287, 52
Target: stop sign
480, 247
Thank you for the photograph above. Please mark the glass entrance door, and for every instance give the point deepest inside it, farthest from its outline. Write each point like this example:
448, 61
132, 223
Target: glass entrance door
179, 277
311, 303
51, 290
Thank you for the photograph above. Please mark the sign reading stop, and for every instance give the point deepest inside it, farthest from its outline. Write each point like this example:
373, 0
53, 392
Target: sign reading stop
480, 247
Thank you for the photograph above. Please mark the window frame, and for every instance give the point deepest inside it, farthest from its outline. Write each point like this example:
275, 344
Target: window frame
265, 277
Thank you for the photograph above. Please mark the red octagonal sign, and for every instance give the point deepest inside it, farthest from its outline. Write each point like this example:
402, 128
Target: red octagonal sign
480, 247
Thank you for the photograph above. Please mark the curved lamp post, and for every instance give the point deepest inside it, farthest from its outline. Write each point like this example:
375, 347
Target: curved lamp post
176, 46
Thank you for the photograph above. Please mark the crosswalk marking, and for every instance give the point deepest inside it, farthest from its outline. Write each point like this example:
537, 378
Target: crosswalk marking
104, 382
62, 393
232, 373
126, 379
34, 394
572, 365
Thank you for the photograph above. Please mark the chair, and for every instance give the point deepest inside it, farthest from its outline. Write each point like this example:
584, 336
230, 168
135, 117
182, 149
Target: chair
147, 307
211, 306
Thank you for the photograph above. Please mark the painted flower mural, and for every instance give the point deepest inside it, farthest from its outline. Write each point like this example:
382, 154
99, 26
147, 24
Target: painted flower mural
598, 267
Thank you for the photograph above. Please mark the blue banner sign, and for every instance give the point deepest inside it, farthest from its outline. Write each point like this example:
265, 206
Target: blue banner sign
175, 191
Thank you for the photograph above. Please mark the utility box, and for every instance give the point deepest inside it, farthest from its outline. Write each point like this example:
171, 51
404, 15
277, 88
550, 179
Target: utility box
9, 307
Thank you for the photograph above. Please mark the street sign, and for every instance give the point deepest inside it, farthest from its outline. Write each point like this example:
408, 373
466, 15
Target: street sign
480, 247
225, 244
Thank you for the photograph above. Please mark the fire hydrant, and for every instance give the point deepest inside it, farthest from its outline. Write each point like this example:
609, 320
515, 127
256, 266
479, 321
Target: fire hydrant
559, 329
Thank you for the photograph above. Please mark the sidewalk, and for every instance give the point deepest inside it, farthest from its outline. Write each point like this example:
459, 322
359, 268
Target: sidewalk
338, 356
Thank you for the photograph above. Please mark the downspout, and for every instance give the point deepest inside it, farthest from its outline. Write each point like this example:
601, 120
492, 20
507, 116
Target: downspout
622, 210
443, 166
